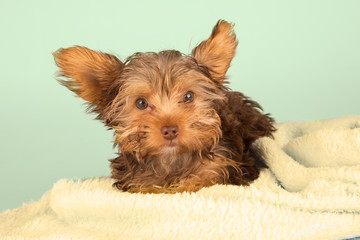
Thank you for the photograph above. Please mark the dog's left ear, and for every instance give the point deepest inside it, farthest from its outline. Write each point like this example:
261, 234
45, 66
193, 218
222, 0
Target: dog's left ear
89, 74
217, 52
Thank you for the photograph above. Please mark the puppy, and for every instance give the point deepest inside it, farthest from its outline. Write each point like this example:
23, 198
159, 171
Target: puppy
178, 127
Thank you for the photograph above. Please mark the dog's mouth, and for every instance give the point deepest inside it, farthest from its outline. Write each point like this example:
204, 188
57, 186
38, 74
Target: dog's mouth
171, 146
172, 143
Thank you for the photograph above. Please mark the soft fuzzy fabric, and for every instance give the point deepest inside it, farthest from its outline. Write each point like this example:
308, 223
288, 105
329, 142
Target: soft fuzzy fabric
310, 191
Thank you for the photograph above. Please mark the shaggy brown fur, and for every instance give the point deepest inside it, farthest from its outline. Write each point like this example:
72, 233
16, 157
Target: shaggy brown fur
177, 126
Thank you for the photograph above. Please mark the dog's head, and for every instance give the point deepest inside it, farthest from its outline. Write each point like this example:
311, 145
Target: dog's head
157, 103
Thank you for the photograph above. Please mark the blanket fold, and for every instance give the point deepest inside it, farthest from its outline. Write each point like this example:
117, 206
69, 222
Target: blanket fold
310, 190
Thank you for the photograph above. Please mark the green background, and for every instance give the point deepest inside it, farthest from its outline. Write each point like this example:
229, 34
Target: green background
299, 59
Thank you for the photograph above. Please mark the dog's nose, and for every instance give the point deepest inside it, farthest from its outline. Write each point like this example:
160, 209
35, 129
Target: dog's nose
170, 132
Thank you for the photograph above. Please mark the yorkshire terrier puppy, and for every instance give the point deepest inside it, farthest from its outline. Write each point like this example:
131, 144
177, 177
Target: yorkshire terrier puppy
178, 127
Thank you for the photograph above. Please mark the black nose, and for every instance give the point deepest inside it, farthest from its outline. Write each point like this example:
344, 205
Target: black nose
170, 132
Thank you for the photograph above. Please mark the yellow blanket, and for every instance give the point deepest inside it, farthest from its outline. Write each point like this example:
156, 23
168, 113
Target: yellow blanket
310, 191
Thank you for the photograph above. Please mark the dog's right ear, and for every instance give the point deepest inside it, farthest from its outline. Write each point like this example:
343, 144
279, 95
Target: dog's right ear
89, 73
218, 50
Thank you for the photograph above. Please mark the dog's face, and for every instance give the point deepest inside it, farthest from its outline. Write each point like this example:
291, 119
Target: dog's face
165, 105
159, 104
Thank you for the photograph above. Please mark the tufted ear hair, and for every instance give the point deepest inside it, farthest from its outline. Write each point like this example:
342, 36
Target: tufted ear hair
89, 74
218, 50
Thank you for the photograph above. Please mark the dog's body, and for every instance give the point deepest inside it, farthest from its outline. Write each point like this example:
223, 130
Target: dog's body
177, 127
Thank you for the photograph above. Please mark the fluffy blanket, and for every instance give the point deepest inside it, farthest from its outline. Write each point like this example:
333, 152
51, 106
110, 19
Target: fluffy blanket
310, 191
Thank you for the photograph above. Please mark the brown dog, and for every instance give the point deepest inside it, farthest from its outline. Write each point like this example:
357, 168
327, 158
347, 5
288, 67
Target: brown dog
177, 126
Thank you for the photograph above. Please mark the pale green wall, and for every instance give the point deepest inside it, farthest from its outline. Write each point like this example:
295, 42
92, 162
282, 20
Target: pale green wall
299, 59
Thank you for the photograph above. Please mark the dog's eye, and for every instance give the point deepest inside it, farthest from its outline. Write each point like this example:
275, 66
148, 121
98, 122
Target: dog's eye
188, 97
141, 103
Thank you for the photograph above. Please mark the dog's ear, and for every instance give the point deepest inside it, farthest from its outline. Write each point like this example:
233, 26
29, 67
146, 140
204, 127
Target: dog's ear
218, 50
90, 74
